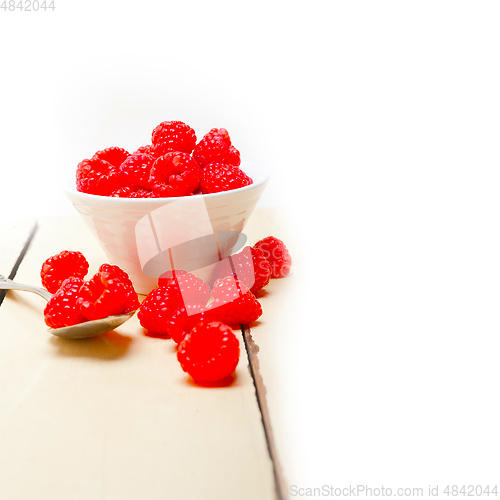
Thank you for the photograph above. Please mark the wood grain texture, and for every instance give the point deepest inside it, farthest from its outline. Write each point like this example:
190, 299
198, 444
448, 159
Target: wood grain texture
114, 417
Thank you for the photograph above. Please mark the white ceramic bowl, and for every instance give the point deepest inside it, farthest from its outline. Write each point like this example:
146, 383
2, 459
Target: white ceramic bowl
147, 236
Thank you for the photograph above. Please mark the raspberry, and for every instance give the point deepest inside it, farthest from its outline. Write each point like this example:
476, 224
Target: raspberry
96, 176
134, 172
114, 156
126, 192
189, 288
215, 147
250, 267
175, 174
233, 157
123, 192
105, 294
173, 136
276, 253
145, 150
210, 352
65, 264
217, 177
157, 308
61, 310
261, 269
183, 320
115, 272
233, 303
142, 193
228, 289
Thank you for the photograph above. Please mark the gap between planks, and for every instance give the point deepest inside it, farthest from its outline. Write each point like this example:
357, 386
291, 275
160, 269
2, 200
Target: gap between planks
14, 249
252, 350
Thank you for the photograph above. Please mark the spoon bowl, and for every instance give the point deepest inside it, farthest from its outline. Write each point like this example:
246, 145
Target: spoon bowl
91, 328
79, 331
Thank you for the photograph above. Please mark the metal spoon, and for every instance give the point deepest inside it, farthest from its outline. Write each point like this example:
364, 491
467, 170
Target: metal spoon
80, 331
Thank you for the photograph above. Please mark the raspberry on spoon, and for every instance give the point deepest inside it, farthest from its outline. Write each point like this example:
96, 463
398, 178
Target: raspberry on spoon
106, 294
65, 264
62, 309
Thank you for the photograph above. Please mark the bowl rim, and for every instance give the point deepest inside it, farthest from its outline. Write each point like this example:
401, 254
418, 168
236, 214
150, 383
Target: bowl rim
248, 167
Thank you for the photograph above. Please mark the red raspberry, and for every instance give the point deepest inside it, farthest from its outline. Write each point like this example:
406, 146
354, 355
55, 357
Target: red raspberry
228, 289
261, 269
115, 272
183, 320
65, 264
157, 308
276, 253
189, 288
210, 352
126, 192
145, 150
123, 192
173, 136
142, 193
217, 177
105, 294
233, 157
250, 266
215, 147
61, 310
175, 174
114, 156
134, 172
233, 303
96, 176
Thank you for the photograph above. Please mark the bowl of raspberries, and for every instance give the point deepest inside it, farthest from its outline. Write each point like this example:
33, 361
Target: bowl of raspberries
114, 190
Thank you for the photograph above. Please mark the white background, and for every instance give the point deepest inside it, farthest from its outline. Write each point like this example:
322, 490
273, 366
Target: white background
380, 124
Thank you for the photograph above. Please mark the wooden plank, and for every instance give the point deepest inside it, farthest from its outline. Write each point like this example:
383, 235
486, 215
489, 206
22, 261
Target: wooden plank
14, 242
270, 341
114, 417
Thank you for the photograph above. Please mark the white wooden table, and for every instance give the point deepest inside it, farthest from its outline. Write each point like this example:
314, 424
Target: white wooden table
115, 417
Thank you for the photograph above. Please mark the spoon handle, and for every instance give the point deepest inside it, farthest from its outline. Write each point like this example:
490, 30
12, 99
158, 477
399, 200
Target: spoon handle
6, 284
